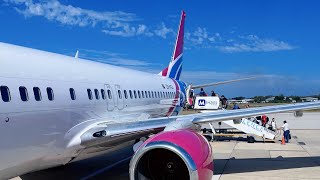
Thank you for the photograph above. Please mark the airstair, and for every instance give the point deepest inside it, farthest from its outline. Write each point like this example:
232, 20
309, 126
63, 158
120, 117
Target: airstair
250, 127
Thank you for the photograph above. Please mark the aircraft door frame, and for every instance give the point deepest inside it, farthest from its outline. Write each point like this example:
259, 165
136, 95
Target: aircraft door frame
111, 103
120, 101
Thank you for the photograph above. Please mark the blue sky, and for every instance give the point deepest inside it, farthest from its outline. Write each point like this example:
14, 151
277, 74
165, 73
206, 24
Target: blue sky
224, 39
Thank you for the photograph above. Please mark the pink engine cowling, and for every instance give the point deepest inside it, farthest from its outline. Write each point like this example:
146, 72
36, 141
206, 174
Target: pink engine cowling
179, 154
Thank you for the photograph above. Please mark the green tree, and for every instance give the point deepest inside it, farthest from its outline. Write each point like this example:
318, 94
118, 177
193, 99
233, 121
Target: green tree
288, 100
259, 99
239, 98
279, 98
296, 98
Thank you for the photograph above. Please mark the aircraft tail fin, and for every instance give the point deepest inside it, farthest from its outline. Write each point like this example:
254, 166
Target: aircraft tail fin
175, 66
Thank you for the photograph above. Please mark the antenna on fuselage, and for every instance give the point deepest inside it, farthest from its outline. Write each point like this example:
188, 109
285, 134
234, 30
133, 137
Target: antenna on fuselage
77, 55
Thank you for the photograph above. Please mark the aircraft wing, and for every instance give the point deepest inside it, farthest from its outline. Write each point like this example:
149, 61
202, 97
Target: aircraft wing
116, 132
221, 82
242, 113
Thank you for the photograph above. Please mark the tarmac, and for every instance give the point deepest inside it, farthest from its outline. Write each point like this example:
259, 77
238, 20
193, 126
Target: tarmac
234, 159
298, 159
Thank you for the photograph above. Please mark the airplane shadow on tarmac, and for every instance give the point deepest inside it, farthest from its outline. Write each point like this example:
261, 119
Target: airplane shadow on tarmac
233, 165
222, 166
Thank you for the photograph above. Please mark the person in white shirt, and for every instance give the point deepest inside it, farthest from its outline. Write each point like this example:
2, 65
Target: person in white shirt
273, 124
286, 131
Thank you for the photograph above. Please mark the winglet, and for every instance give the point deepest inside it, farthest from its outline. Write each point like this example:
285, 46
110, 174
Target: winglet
175, 66
77, 55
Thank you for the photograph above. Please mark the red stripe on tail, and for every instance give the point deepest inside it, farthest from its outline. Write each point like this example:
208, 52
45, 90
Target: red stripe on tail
179, 42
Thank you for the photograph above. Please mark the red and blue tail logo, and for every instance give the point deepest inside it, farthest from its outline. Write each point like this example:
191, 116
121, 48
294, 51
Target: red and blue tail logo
175, 66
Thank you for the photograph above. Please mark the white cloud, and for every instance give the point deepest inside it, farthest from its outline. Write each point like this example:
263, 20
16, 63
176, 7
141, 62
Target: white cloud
253, 43
201, 38
111, 58
118, 23
269, 84
163, 31
230, 43
115, 23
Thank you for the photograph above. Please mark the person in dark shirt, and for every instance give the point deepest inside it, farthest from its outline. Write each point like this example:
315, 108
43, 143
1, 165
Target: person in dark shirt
235, 106
224, 102
213, 93
202, 93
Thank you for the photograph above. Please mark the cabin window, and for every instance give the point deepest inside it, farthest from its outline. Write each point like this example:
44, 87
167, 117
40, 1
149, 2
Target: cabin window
37, 94
5, 93
23, 93
135, 94
145, 92
149, 94
119, 94
142, 94
96, 93
155, 95
125, 94
139, 95
50, 93
159, 94
130, 92
72, 94
109, 94
89, 94
152, 94
103, 94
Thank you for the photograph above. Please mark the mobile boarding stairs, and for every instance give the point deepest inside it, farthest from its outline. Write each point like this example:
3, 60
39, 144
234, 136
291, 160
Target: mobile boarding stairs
247, 125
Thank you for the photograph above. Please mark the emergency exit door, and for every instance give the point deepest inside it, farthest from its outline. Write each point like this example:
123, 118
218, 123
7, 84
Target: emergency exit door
110, 97
120, 98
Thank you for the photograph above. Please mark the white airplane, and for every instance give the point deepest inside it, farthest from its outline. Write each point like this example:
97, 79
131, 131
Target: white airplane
55, 110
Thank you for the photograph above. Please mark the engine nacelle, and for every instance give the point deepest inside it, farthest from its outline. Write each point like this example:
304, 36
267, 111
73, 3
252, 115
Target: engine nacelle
179, 154
298, 113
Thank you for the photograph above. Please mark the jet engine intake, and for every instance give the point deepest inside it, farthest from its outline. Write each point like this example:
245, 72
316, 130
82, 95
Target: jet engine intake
179, 154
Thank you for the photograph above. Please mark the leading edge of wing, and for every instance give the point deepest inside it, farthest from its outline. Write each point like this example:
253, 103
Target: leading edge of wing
242, 113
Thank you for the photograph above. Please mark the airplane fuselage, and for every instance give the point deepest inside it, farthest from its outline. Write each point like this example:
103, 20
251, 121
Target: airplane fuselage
44, 96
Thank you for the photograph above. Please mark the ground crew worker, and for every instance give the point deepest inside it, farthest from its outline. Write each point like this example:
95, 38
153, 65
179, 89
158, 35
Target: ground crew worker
286, 131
